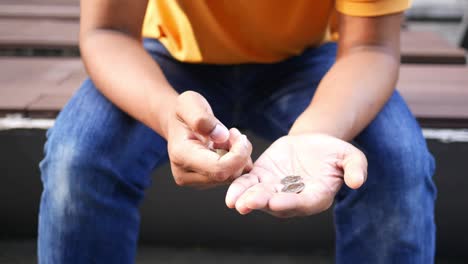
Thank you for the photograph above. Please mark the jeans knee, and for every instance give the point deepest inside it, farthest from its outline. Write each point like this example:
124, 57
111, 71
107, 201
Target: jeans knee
78, 174
404, 163
400, 183
58, 174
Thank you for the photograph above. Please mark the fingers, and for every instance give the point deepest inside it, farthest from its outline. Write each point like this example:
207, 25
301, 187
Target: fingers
194, 135
193, 109
239, 153
249, 166
310, 201
247, 194
265, 197
238, 187
182, 177
285, 205
355, 168
197, 158
193, 163
284, 202
255, 198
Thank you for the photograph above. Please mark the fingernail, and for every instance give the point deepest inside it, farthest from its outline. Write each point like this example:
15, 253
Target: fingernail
219, 134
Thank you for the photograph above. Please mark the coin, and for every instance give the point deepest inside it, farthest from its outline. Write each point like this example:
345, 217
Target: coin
221, 152
291, 179
294, 187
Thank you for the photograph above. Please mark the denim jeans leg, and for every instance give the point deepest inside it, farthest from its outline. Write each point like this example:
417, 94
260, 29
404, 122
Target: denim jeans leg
391, 218
97, 165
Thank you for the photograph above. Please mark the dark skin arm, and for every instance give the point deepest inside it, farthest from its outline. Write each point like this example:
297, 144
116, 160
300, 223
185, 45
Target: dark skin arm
346, 101
361, 81
110, 43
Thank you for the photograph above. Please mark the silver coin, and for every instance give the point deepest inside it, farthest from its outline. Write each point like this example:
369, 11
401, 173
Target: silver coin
291, 179
221, 152
294, 187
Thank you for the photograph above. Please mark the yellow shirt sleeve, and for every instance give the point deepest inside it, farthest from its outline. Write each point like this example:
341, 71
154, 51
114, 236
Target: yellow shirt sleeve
368, 8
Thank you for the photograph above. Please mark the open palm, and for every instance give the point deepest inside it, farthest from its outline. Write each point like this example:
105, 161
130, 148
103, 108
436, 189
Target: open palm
322, 161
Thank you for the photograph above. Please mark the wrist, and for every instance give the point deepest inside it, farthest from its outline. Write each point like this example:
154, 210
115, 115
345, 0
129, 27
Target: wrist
312, 122
162, 109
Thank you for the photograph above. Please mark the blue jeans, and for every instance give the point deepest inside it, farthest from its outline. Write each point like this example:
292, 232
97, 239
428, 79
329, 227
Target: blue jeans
98, 162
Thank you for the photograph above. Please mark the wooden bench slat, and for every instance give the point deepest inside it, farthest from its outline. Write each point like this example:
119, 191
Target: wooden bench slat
433, 56
38, 70
429, 48
16, 33
14, 102
436, 93
47, 105
34, 11
24, 82
417, 47
41, 2
409, 37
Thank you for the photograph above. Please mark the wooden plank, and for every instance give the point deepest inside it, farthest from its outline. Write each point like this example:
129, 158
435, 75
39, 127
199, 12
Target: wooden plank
436, 94
26, 33
41, 2
429, 48
13, 102
416, 47
47, 105
39, 24
26, 83
34, 11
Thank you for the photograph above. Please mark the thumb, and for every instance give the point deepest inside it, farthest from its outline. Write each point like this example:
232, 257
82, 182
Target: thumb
355, 168
195, 111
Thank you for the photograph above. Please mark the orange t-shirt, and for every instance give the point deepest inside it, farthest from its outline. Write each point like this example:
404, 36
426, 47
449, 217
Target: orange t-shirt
242, 31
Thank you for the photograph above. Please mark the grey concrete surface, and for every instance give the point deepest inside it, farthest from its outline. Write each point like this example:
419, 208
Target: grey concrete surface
24, 252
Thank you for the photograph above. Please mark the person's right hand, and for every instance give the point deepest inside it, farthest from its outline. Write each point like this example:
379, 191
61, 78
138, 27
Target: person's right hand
192, 135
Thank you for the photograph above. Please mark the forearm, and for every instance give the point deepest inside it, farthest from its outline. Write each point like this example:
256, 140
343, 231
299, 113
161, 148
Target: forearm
351, 94
128, 76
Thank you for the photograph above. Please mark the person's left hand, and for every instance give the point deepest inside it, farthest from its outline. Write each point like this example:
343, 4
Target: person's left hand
322, 161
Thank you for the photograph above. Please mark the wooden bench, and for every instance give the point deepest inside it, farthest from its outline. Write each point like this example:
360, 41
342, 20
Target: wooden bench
42, 33
39, 25
40, 2
35, 11
429, 48
38, 87
30, 25
436, 94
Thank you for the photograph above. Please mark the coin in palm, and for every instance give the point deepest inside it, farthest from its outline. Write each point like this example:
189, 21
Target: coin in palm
291, 179
294, 187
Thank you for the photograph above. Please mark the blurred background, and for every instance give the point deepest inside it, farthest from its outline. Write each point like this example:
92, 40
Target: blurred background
40, 69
